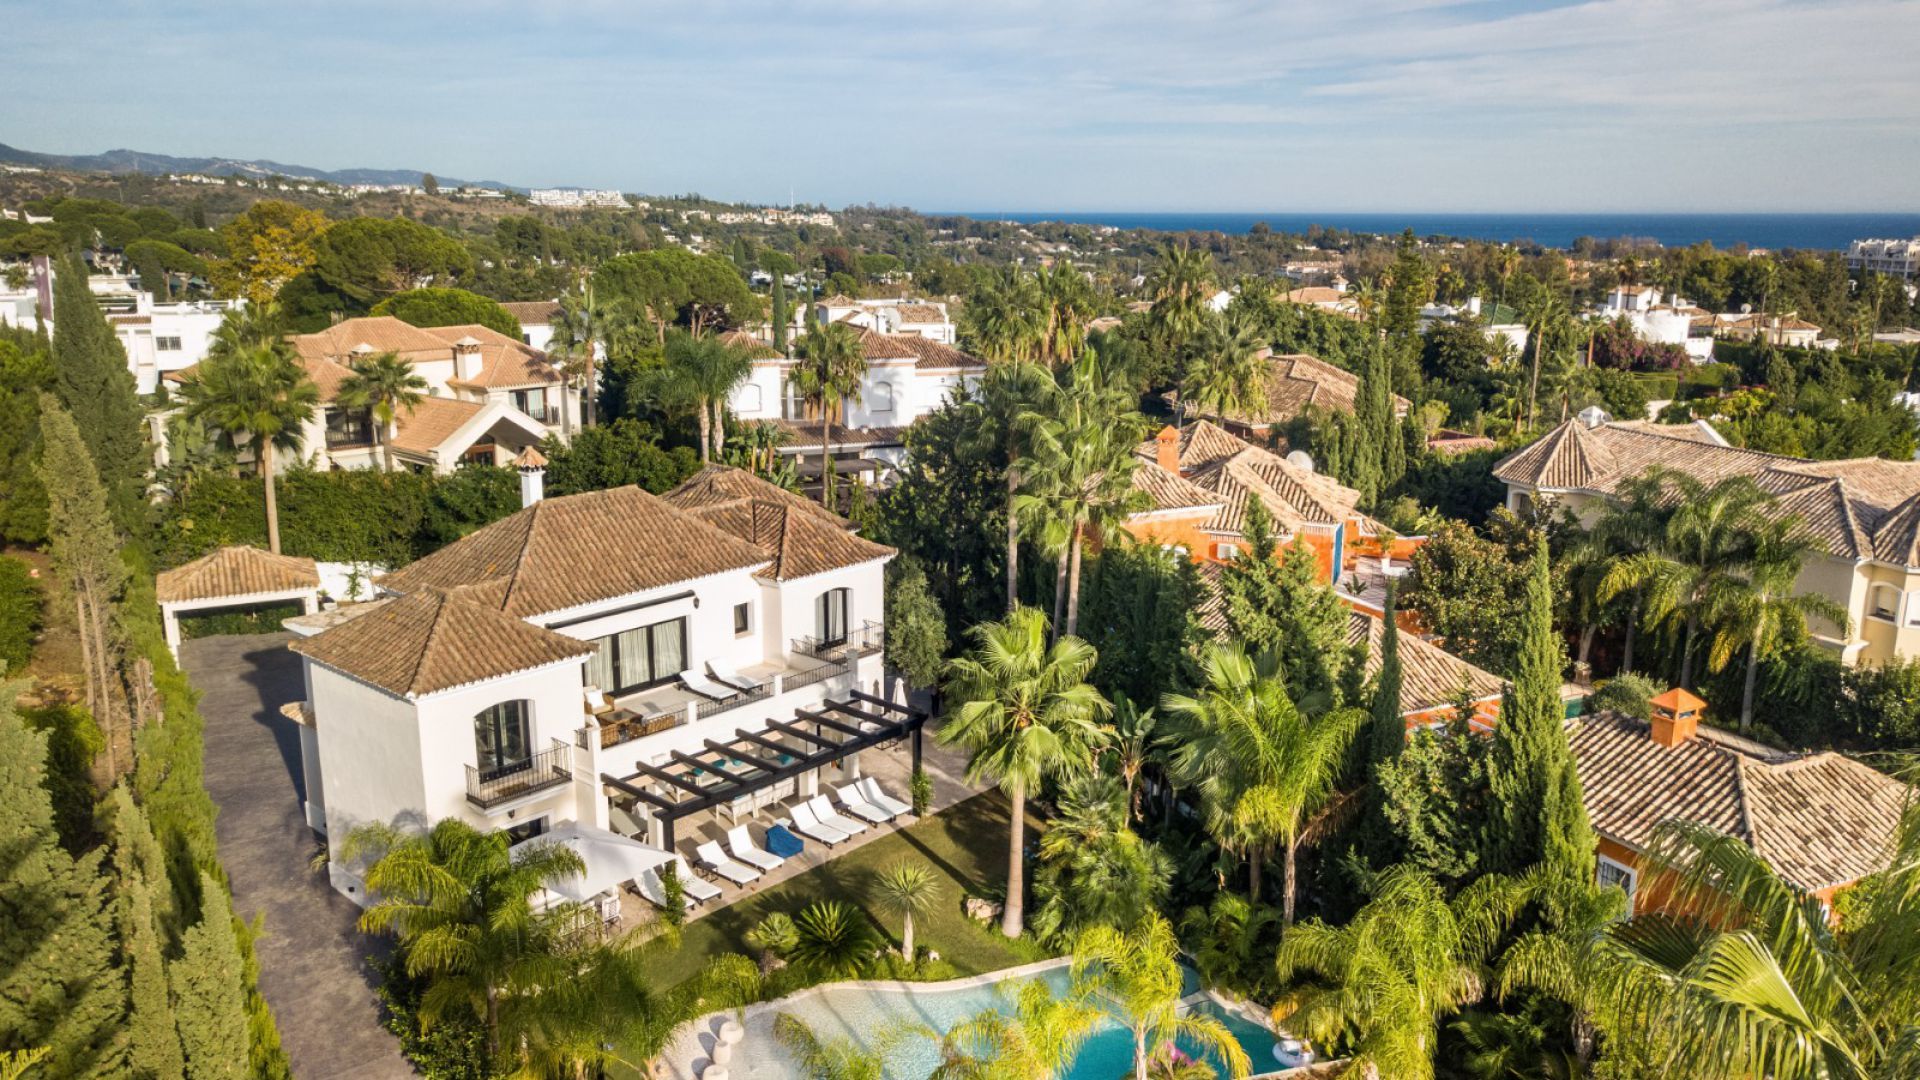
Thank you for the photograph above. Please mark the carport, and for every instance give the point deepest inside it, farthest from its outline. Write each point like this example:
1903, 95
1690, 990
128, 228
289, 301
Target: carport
234, 577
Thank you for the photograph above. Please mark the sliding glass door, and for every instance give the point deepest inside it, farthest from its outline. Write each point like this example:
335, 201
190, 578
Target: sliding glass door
638, 658
500, 738
831, 617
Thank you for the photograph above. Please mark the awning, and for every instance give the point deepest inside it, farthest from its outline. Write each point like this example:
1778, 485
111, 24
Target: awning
611, 859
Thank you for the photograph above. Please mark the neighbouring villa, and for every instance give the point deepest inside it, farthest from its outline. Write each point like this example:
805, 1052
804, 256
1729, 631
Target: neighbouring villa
1864, 511
619, 669
1292, 384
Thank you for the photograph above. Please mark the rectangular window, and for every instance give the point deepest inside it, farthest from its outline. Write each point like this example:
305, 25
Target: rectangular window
1613, 873
167, 344
526, 830
830, 617
742, 619
642, 657
1883, 602
1229, 552
534, 404
500, 739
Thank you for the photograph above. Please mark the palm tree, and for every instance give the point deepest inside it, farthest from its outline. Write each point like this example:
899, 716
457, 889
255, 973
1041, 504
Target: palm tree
1136, 974
1094, 870
832, 363
837, 1059
1067, 300
1708, 537
1757, 611
259, 396
582, 328
1553, 957
1027, 714
1630, 524
907, 888
1034, 1036
1228, 372
1180, 287
1007, 318
1003, 415
462, 906
1262, 768
1544, 312
833, 940
387, 386
1231, 941
700, 374
1742, 975
594, 1001
1387, 978
1132, 745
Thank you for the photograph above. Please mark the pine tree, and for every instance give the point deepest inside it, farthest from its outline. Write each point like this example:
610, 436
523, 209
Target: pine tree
1536, 792
779, 312
1275, 604
210, 1005
59, 988
94, 382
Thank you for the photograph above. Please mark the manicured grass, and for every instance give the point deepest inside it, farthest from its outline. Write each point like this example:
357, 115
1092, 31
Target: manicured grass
965, 845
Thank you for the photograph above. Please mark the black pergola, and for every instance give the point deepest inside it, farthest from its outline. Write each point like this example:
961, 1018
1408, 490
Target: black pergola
723, 772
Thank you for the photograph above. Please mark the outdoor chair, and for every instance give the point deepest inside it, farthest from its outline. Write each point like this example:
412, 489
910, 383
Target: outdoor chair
824, 813
697, 888
809, 826
741, 844
878, 796
724, 671
711, 857
855, 803
654, 892
706, 687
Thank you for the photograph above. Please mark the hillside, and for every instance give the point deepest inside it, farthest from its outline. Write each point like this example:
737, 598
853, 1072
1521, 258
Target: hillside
141, 161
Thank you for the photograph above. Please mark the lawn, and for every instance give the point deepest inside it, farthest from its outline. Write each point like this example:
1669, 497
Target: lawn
966, 845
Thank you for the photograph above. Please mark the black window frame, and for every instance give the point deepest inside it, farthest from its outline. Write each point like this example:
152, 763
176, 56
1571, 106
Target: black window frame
821, 622
743, 618
494, 717
646, 635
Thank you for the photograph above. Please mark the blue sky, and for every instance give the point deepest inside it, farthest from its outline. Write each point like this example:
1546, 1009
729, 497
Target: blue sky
1487, 105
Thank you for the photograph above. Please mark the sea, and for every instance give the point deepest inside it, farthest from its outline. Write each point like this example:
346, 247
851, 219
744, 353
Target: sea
1774, 231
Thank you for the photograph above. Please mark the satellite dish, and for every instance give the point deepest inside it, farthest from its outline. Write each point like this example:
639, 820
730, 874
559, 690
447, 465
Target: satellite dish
1300, 459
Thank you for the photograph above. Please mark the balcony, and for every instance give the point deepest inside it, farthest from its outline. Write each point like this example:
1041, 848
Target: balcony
550, 768
863, 640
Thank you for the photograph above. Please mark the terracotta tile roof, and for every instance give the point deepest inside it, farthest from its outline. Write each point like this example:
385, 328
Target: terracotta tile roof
838, 300
435, 640
381, 333
570, 550
1430, 677
504, 361
1202, 443
921, 313
1843, 504
1296, 380
926, 353
799, 537
1171, 491
1458, 442
752, 346
326, 375
235, 571
432, 421
532, 312
1822, 820
1231, 470
1317, 294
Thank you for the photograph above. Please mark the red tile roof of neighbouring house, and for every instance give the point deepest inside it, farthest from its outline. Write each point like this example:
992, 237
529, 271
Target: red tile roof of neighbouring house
238, 570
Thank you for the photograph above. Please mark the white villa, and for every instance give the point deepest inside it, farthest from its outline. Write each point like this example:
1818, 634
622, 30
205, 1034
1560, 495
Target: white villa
918, 318
159, 338
1674, 322
615, 664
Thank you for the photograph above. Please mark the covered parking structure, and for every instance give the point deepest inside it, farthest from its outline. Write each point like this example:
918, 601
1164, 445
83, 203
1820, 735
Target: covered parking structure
756, 768
232, 578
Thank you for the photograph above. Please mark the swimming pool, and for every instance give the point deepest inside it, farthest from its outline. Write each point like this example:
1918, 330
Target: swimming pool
865, 1012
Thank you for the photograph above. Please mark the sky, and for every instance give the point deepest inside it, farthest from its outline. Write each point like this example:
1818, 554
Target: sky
1093, 105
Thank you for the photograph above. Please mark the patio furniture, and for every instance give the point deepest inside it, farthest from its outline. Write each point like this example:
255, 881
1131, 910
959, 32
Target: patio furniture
723, 671
878, 796
824, 813
702, 891
808, 825
710, 856
782, 844
651, 889
598, 703
855, 803
705, 687
741, 844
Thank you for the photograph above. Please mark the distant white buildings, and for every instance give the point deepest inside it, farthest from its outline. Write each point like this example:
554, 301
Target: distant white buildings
1498, 328
769, 215
1900, 257
577, 199
159, 338
920, 318
1663, 323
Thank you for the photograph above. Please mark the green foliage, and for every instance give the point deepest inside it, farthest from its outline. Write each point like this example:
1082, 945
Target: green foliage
368, 259
1628, 694
1094, 870
452, 1048
265, 619
448, 307
26, 370
1277, 606
1436, 797
73, 741
94, 383
916, 627
1469, 588
21, 604
1140, 610
209, 999
153, 1037
921, 791
834, 940
615, 455
1231, 942
1458, 486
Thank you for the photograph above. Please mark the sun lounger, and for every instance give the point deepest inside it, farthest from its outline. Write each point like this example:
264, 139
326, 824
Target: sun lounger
878, 796
701, 891
706, 687
725, 673
710, 856
855, 803
740, 844
809, 826
824, 812
651, 889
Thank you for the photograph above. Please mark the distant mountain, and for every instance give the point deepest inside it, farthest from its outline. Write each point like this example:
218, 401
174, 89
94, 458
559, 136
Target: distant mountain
139, 161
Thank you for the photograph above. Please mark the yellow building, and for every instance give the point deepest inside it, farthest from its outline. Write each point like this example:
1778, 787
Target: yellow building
1865, 512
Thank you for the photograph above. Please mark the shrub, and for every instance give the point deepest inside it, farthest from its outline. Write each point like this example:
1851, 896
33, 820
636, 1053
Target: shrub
20, 613
453, 1048
1627, 694
259, 620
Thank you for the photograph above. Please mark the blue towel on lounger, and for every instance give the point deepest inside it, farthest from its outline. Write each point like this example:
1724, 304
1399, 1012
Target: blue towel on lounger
783, 843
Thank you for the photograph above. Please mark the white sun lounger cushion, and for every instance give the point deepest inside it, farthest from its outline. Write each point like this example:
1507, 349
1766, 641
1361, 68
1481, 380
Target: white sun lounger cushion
807, 825
654, 891
702, 891
824, 812
741, 844
878, 796
725, 673
706, 687
855, 803
710, 856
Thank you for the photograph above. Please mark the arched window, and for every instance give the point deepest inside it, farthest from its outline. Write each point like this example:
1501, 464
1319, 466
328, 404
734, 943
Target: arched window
1884, 602
751, 399
502, 744
880, 398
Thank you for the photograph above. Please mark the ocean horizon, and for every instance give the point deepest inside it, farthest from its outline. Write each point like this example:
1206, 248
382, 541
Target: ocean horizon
1827, 231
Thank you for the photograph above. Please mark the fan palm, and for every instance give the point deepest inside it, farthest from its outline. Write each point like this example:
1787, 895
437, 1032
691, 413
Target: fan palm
1094, 870
1756, 611
595, 1000
1034, 1036
907, 888
1180, 287
1067, 300
700, 373
463, 909
259, 396
1007, 318
832, 363
582, 328
385, 385
1026, 713
1003, 415
1261, 767
1228, 372
1136, 974
1132, 745
1383, 982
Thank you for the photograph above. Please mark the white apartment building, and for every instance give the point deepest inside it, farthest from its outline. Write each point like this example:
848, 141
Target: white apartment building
159, 338
611, 662
576, 198
921, 318
1900, 257
1660, 323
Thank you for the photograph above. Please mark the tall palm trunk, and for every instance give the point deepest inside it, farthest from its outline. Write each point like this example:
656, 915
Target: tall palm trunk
1292, 872
1586, 645
1686, 653
264, 451
1073, 586
1139, 1053
1014, 914
586, 393
1060, 591
719, 427
826, 459
906, 936
1013, 541
1746, 692
706, 433
386, 441
1633, 624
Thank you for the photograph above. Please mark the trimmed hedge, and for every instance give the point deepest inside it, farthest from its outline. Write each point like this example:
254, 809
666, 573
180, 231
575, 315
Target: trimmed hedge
265, 619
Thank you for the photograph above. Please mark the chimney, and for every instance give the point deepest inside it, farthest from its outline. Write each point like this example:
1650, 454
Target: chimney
1166, 450
533, 476
466, 358
1676, 717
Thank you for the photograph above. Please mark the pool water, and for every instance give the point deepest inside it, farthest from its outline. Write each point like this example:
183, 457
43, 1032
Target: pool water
868, 1015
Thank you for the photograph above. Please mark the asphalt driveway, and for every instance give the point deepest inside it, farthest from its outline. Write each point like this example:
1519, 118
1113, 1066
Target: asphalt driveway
313, 963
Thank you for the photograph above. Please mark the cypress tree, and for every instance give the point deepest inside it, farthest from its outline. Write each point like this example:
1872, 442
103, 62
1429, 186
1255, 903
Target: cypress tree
94, 383
137, 855
1536, 792
1388, 736
59, 988
209, 1003
152, 1036
779, 312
